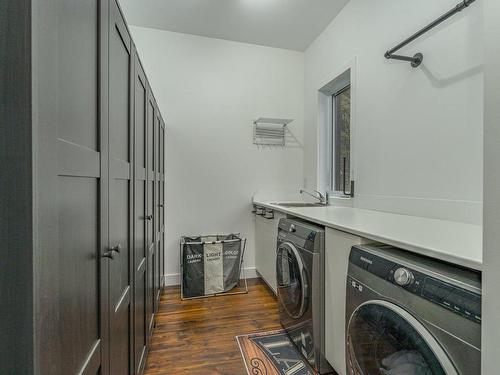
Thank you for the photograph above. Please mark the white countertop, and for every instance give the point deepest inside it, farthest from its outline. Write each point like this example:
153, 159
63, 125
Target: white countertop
450, 241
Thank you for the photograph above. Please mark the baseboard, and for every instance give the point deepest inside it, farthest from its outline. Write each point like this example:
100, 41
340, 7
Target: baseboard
172, 279
268, 286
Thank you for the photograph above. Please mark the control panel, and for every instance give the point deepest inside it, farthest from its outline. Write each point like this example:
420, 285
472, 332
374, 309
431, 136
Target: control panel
451, 297
403, 276
301, 234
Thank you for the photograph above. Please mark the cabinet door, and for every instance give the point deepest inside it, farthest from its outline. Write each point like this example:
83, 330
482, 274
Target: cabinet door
337, 248
157, 217
120, 194
261, 247
140, 213
71, 218
162, 204
150, 229
266, 231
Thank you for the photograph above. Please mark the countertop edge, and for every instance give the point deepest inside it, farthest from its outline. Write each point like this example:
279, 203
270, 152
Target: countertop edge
429, 252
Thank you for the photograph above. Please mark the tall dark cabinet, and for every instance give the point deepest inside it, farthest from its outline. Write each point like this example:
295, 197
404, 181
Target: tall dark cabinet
141, 92
83, 179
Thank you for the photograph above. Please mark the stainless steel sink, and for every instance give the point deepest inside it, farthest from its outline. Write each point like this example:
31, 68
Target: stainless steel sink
298, 204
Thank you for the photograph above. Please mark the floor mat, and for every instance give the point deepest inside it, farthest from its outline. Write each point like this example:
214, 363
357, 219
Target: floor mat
272, 353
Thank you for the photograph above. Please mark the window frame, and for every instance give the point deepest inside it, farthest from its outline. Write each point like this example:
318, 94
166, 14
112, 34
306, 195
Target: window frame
346, 74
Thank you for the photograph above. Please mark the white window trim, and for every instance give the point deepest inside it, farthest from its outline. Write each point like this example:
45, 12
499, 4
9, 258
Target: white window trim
325, 119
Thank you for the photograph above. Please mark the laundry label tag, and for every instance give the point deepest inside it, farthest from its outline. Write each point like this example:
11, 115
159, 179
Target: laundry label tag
214, 268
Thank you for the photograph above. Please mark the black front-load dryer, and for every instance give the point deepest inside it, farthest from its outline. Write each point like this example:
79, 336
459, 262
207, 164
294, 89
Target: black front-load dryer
300, 287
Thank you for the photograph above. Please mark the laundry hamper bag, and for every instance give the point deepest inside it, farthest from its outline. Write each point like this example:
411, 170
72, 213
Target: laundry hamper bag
211, 265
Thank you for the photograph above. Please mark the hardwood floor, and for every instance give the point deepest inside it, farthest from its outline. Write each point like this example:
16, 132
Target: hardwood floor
197, 337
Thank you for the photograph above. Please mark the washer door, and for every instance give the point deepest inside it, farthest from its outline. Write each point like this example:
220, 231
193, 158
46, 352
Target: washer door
292, 280
384, 339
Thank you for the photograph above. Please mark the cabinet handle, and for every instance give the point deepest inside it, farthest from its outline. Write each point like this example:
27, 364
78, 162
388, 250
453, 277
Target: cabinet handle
117, 248
260, 211
161, 205
269, 214
109, 254
149, 217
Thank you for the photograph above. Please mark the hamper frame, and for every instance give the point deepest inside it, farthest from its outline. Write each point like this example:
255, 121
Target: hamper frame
242, 275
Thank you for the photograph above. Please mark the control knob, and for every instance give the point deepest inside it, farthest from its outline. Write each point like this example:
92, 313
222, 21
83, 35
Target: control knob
403, 277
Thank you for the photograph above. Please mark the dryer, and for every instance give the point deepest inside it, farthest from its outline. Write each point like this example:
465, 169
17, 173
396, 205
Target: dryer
300, 264
408, 314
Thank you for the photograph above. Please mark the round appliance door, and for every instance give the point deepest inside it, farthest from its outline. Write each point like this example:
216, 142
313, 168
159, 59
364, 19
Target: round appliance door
384, 339
292, 280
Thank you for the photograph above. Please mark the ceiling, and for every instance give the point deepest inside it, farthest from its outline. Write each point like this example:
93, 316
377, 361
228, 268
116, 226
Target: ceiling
291, 24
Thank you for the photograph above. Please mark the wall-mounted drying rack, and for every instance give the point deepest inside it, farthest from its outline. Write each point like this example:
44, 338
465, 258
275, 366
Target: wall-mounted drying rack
417, 59
270, 131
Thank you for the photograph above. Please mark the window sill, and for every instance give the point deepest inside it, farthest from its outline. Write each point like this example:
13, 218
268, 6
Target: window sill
337, 195
339, 199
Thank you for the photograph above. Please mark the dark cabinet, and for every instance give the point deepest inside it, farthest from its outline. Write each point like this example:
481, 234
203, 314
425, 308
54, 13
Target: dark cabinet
140, 213
120, 211
150, 245
83, 263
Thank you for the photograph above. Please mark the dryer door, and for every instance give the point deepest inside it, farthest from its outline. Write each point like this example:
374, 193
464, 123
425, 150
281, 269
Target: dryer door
384, 339
292, 280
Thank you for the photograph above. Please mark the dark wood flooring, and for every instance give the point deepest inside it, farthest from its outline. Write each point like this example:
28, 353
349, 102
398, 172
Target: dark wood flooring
197, 337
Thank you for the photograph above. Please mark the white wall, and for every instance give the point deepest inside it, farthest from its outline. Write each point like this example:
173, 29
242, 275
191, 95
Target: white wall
209, 91
418, 133
491, 252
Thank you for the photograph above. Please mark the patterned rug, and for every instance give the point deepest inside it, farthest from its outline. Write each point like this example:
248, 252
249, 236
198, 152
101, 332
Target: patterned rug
272, 353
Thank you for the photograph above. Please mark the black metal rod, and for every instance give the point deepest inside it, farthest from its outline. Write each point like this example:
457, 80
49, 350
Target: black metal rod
351, 192
403, 58
343, 176
418, 58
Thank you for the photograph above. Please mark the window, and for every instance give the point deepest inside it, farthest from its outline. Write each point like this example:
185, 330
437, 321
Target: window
335, 163
341, 142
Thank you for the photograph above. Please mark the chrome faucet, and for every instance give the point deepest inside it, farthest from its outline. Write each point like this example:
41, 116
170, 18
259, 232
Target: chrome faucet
323, 198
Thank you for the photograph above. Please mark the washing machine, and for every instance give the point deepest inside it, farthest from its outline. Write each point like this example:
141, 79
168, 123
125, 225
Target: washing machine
300, 275
408, 314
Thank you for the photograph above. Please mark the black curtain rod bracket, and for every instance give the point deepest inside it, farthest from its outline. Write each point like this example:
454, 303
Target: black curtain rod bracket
417, 59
